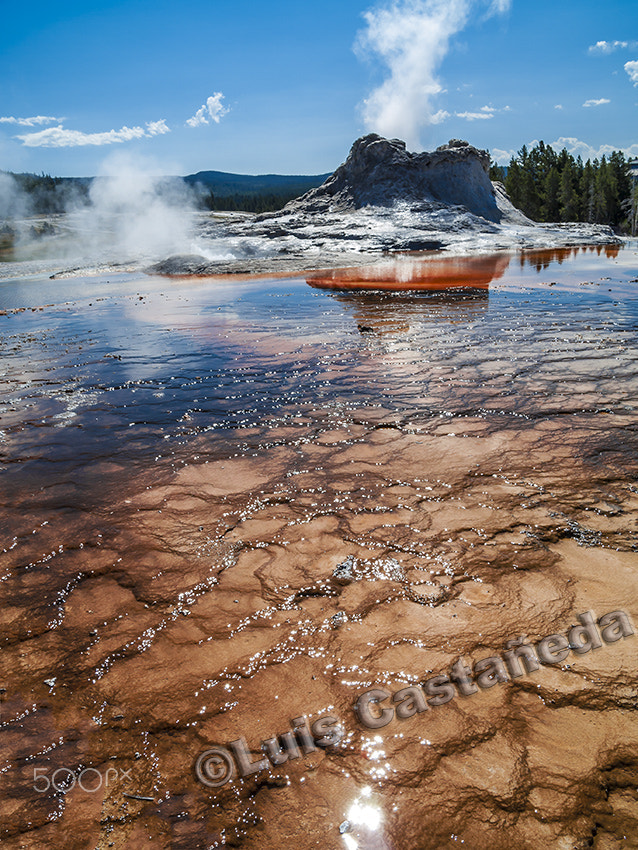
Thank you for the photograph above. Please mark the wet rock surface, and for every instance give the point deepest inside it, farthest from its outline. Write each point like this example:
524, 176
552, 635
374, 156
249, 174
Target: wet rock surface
225, 508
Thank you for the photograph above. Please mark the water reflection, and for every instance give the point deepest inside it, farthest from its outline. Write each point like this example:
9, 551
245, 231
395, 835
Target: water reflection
385, 312
413, 272
363, 828
541, 259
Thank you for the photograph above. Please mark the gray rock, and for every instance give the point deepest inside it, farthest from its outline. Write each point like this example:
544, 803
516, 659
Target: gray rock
339, 619
344, 573
380, 171
180, 264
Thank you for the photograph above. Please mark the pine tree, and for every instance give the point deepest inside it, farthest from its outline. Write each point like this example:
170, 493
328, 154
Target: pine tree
586, 192
567, 194
513, 183
551, 187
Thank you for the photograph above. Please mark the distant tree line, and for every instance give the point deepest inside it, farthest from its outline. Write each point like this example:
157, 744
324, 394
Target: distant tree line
551, 186
253, 203
46, 195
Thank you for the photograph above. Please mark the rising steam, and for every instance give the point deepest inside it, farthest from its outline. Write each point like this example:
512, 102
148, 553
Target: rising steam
412, 37
127, 214
133, 213
12, 200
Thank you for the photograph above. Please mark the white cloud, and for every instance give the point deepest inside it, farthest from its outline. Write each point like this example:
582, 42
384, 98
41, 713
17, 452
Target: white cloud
558, 106
632, 70
157, 128
36, 120
606, 47
499, 7
502, 157
594, 102
483, 113
474, 116
213, 109
586, 151
574, 146
60, 137
411, 38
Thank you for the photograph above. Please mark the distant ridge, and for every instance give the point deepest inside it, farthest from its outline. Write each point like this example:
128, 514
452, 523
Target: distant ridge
226, 183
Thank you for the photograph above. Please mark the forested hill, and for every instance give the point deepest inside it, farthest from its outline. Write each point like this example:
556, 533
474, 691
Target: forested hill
220, 190
551, 186
225, 183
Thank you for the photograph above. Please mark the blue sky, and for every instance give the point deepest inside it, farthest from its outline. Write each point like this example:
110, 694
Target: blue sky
286, 87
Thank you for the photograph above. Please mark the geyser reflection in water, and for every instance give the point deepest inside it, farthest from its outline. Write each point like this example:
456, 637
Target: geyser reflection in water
411, 272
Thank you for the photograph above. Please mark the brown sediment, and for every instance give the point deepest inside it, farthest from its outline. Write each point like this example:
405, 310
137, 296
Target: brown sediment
283, 566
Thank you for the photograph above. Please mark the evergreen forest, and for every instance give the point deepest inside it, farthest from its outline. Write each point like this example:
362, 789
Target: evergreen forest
551, 186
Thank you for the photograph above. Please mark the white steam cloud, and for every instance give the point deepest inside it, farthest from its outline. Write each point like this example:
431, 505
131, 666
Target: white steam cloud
596, 102
12, 201
213, 109
130, 215
412, 37
133, 213
60, 137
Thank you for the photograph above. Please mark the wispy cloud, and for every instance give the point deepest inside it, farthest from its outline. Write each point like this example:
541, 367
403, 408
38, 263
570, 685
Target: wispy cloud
596, 102
499, 7
632, 69
411, 38
578, 148
606, 47
474, 116
483, 113
213, 109
60, 137
35, 121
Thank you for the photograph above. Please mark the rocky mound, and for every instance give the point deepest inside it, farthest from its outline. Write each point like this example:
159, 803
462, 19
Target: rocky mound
379, 172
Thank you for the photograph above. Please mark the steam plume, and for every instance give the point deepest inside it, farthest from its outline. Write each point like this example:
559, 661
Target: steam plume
412, 38
133, 213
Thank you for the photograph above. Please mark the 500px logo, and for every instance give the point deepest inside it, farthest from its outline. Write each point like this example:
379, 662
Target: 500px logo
89, 779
